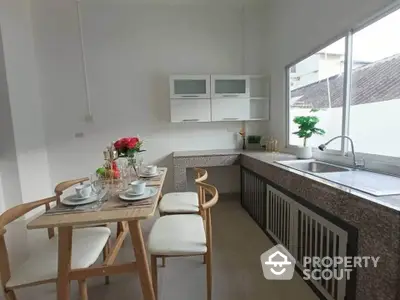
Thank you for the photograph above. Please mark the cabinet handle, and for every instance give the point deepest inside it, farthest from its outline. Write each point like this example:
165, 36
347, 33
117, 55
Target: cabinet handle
231, 95
190, 96
190, 120
230, 119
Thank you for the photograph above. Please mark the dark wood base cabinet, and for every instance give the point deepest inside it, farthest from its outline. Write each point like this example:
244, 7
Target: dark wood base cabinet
304, 230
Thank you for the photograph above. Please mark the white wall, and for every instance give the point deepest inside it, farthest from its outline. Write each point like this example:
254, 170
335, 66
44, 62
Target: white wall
307, 71
24, 101
294, 29
131, 49
376, 137
24, 173
10, 191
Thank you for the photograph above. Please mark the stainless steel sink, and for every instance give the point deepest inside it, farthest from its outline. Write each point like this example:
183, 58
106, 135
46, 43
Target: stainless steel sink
368, 182
313, 166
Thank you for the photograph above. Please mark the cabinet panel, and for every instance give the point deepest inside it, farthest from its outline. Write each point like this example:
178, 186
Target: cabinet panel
230, 86
230, 109
189, 86
253, 196
190, 110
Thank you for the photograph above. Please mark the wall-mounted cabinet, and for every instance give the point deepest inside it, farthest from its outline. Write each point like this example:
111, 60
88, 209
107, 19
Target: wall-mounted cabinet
206, 98
189, 86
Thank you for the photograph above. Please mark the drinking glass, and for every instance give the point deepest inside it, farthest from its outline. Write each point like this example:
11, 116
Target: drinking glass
139, 163
96, 183
125, 175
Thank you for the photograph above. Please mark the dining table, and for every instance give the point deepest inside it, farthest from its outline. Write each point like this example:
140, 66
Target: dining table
112, 210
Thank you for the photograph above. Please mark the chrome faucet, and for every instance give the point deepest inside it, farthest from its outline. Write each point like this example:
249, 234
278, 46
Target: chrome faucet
356, 165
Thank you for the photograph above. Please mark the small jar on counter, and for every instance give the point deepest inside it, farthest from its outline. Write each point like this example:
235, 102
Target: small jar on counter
271, 145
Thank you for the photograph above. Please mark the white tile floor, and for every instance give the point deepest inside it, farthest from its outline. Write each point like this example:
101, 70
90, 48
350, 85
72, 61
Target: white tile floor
238, 243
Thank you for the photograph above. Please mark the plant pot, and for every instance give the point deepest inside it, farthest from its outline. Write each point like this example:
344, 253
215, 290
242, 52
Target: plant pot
304, 152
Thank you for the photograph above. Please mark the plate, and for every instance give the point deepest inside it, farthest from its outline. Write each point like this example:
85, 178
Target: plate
150, 175
148, 192
68, 201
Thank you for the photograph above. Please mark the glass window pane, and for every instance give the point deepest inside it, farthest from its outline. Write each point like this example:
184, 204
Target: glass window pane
317, 83
375, 94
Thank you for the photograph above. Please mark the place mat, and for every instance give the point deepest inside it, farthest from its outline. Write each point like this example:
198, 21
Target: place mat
90, 207
115, 202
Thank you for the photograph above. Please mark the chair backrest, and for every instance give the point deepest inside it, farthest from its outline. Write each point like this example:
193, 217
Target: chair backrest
6, 218
62, 186
201, 176
205, 208
59, 189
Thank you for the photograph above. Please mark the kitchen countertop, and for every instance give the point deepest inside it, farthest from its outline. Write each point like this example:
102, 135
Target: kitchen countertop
391, 202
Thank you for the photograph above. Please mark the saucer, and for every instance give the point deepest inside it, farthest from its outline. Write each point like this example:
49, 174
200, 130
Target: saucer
68, 202
76, 198
148, 192
131, 193
93, 198
143, 174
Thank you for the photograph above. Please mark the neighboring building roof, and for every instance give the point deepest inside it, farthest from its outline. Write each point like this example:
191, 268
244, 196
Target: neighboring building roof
375, 82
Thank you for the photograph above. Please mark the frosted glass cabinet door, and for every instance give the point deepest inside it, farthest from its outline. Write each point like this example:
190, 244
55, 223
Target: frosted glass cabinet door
189, 86
232, 86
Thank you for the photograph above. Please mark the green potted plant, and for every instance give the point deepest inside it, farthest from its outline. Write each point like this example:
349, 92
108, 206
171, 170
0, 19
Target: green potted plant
307, 127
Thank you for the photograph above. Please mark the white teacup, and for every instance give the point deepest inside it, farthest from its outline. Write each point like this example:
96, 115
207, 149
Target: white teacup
151, 169
137, 187
83, 191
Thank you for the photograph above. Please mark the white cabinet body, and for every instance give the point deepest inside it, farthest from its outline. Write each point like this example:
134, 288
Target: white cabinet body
189, 86
230, 109
190, 110
230, 86
215, 98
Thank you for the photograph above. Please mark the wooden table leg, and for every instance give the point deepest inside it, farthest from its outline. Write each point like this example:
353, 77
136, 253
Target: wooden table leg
141, 260
64, 262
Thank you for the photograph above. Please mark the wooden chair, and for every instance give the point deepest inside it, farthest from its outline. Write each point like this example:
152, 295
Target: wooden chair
184, 235
184, 202
42, 264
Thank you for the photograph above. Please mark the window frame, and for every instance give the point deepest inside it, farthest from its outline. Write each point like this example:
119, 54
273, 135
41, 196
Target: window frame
382, 163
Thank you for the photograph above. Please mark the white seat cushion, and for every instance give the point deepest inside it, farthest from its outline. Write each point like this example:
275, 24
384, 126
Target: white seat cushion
42, 264
186, 202
178, 235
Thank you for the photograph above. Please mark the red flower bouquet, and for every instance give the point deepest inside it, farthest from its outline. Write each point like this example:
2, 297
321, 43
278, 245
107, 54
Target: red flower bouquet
128, 146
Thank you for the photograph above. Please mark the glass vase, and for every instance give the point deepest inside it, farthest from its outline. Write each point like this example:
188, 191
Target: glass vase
130, 164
